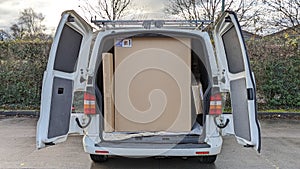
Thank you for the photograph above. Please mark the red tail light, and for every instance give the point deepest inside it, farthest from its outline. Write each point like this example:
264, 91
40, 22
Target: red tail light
89, 103
101, 152
202, 152
215, 104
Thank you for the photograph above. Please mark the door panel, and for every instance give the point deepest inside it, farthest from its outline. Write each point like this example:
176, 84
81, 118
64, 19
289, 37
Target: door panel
68, 49
60, 105
240, 108
234, 55
68, 59
234, 66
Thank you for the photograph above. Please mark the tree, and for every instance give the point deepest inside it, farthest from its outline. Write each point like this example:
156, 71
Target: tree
192, 9
106, 9
210, 9
4, 35
283, 13
29, 25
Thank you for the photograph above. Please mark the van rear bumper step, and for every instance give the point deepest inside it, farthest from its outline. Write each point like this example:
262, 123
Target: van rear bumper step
151, 145
162, 139
147, 149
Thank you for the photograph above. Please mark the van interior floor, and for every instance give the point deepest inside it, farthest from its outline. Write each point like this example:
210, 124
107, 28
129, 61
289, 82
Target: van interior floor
192, 137
147, 136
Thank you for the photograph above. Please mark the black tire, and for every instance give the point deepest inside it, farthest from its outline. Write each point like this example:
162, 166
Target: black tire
207, 159
99, 158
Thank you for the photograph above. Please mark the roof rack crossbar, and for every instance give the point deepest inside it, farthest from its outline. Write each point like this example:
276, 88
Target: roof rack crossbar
148, 23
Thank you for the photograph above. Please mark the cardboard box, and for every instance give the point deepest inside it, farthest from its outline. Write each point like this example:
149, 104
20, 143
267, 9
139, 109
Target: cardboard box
153, 84
109, 111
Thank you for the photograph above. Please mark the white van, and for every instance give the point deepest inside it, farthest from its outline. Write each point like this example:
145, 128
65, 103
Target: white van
151, 90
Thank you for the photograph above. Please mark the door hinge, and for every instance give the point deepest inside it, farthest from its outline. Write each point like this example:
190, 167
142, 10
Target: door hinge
83, 75
222, 77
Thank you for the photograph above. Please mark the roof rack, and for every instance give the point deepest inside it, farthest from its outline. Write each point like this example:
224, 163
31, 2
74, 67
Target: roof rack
148, 24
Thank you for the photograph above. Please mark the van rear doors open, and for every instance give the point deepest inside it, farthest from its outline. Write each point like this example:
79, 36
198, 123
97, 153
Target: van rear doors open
65, 73
238, 79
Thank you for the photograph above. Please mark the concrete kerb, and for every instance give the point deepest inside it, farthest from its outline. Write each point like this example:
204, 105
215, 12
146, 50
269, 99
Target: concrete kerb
19, 113
278, 114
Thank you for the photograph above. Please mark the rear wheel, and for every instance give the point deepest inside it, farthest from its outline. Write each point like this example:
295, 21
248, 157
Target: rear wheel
99, 158
207, 159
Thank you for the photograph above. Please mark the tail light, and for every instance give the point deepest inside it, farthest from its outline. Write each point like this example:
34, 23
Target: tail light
89, 103
201, 152
215, 104
102, 152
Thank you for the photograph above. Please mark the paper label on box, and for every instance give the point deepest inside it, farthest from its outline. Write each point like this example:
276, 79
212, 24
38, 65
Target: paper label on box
124, 43
119, 43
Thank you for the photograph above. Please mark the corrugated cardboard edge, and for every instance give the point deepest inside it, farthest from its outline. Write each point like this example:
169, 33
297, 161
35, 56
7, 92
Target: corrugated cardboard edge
109, 112
198, 98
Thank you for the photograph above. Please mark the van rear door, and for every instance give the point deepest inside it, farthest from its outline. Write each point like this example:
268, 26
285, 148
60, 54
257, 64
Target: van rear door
65, 73
234, 66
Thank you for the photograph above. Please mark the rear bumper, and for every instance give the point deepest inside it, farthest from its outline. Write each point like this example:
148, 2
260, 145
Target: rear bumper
135, 150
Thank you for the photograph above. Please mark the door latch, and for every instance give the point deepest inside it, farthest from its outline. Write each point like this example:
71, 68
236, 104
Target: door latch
221, 124
82, 75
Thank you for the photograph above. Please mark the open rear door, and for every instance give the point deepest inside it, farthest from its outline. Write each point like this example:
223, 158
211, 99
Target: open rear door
65, 73
238, 79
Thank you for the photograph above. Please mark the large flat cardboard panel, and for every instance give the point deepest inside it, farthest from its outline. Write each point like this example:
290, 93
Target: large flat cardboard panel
152, 85
109, 111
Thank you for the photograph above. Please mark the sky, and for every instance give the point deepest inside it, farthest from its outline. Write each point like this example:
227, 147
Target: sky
52, 9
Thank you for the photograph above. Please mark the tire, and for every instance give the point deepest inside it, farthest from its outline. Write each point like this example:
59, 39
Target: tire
99, 158
207, 159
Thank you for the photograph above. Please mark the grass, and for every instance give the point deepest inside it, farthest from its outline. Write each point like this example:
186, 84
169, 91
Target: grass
272, 110
281, 111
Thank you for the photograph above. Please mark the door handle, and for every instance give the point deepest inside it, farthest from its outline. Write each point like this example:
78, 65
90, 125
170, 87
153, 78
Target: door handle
250, 93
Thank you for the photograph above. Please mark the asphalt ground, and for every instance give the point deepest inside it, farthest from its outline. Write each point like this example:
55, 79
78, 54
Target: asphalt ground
280, 149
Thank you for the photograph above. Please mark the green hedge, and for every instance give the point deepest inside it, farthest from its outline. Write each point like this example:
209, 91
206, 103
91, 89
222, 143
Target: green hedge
22, 64
275, 62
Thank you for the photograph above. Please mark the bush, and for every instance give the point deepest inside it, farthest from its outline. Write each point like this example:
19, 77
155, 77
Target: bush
276, 64
22, 64
274, 60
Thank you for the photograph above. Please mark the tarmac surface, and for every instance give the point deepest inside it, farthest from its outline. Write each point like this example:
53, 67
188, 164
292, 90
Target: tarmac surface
280, 149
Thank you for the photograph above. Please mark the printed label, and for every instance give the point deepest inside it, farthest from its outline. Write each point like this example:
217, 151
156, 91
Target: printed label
124, 43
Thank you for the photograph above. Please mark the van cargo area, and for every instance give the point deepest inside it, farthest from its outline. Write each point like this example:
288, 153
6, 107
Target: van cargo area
176, 65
